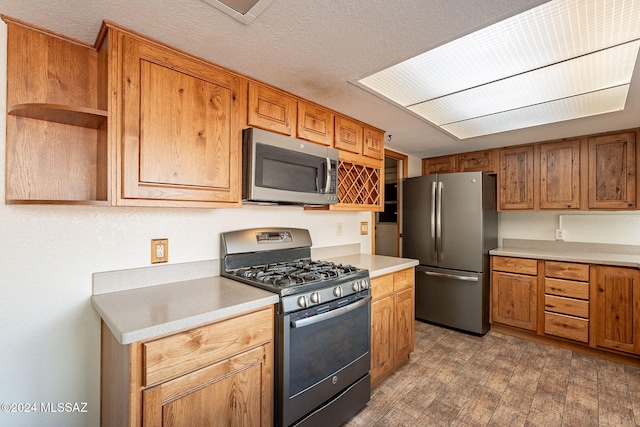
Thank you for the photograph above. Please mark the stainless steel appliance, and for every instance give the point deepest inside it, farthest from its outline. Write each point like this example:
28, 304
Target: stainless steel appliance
279, 169
322, 323
450, 224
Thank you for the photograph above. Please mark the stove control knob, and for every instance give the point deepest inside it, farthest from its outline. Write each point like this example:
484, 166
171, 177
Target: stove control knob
337, 291
315, 297
364, 284
302, 302
356, 286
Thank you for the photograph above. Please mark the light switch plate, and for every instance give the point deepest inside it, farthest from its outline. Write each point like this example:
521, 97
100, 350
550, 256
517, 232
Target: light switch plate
364, 228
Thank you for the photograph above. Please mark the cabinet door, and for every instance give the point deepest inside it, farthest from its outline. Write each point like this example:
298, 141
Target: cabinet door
271, 110
560, 175
373, 143
477, 161
404, 307
514, 300
617, 308
612, 173
382, 346
236, 391
348, 135
443, 164
315, 124
180, 131
515, 181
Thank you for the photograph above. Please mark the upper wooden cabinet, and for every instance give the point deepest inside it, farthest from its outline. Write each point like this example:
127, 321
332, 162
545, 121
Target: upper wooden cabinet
56, 146
516, 180
348, 135
442, 164
612, 171
560, 175
179, 140
271, 109
315, 123
478, 161
373, 143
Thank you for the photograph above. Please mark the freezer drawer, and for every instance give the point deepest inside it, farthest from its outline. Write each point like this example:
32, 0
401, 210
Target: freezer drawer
453, 298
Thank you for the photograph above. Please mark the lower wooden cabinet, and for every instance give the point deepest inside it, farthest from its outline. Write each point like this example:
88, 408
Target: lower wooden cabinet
617, 308
582, 304
392, 322
566, 300
514, 297
216, 374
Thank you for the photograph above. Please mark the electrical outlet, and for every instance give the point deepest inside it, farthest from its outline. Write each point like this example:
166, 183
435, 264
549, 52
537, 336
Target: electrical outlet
339, 229
364, 228
159, 250
559, 234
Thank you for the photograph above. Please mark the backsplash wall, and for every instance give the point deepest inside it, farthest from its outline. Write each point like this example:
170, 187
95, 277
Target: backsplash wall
587, 227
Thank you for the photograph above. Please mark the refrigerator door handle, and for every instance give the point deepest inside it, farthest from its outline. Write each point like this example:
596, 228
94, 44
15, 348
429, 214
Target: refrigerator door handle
451, 276
439, 223
433, 220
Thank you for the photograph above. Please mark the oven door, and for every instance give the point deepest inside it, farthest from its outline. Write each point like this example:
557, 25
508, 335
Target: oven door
322, 352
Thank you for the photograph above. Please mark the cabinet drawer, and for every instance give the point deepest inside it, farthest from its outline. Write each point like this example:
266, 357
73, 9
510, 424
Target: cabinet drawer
515, 265
187, 351
570, 306
566, 288
381, 286
566, 270
403, 279
569, 327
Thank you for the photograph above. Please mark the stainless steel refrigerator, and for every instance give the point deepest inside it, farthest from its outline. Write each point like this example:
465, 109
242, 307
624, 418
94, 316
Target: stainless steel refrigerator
449, 224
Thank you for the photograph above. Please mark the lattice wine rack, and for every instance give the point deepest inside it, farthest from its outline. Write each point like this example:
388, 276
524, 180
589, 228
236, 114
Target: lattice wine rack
359, 185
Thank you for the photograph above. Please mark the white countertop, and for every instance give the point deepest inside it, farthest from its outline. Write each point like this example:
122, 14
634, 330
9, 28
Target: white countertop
138, 314
378, 265
604, 254
146, 312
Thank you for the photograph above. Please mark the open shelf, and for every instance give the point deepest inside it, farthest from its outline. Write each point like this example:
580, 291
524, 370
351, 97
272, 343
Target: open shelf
69, 115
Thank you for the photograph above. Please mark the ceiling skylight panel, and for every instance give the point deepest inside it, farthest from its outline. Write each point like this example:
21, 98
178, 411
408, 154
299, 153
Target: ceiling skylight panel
603, 69
589, 104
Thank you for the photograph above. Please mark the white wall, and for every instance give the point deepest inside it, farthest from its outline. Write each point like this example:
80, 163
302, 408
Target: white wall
49, 333
588, 227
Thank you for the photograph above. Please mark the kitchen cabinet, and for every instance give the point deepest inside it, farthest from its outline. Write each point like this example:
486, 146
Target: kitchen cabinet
373, 143
566, 300
359, 187
348, 135
442, 164
616, 294
612, 171
179, 117
56, 146
478, 161
514, 292
271, 109
315, 124
218, 373
516, 178
392, 322
560, 175
475, 161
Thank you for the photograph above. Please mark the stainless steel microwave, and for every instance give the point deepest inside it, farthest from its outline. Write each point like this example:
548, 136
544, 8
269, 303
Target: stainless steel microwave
283, 170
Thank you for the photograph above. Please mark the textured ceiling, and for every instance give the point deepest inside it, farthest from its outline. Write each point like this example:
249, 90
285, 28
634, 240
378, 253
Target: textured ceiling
317, 48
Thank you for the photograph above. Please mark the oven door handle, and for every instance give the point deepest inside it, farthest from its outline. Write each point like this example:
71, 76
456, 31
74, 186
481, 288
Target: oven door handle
307, 321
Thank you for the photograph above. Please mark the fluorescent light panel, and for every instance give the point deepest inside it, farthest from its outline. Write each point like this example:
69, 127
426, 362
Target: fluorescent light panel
542, 55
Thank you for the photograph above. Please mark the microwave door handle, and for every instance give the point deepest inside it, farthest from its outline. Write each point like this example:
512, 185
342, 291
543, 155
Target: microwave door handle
327, 185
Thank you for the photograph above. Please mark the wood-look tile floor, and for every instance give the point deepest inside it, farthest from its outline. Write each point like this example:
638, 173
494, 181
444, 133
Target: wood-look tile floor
456, 379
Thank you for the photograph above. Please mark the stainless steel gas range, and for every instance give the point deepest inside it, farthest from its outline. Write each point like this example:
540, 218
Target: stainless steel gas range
322, 323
